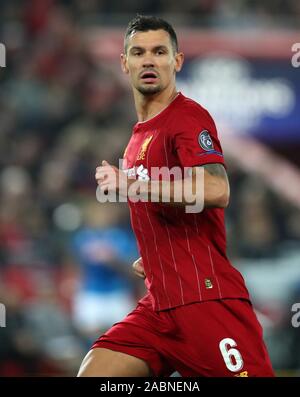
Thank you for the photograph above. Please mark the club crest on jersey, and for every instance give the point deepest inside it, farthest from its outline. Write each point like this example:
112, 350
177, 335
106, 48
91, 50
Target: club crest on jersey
205, 141
143, 150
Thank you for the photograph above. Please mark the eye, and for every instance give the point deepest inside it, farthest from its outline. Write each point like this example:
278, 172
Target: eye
160, 52
137, 53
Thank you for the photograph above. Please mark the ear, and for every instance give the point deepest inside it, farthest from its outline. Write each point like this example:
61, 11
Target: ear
124, 63
179, 59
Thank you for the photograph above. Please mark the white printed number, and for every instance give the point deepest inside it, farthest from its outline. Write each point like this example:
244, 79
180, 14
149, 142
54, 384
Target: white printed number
232, 357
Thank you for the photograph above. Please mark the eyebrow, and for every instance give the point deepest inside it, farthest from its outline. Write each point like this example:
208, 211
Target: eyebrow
156, 48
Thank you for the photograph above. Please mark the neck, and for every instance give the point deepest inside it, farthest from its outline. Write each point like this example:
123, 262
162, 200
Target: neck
147, 106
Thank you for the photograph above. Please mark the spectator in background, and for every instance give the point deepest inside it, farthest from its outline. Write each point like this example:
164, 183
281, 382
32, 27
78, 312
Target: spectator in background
257, 226
104, 251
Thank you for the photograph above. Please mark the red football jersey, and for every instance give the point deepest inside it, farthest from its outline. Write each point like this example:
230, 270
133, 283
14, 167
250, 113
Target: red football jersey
184, 254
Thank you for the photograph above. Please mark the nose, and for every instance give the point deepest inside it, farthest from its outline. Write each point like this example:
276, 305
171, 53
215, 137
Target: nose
148, 61
148, 64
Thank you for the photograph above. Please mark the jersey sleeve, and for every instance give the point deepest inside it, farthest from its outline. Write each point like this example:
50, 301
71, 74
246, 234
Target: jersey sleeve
197, 143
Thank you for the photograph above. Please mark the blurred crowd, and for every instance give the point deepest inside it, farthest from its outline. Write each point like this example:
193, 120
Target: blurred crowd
65, 259
208, 13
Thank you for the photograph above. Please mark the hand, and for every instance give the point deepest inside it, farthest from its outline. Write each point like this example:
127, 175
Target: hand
138, 268
110, 178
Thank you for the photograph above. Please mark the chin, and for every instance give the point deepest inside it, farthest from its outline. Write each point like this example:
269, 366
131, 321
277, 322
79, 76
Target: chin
149, 90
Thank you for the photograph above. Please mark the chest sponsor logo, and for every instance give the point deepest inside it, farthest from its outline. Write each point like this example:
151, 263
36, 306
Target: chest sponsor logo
140, 172
144, 147
174, 186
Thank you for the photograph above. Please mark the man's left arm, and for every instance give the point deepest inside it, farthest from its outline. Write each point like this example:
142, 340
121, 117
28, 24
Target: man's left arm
216, 186
207, 184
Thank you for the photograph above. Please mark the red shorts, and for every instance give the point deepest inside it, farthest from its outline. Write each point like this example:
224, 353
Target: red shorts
212, 338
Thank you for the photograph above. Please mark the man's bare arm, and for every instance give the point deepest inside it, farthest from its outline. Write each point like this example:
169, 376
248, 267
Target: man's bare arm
206, 186
212, 188
216, 186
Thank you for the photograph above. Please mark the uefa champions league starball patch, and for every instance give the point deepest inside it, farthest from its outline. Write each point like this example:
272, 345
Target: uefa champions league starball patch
205, 141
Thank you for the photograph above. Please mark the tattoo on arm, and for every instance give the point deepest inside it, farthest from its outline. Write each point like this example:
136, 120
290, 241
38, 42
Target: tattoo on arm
216, 189
220, 178
216, 169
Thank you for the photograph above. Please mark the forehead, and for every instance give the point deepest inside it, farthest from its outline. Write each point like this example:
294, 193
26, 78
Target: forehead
151, 38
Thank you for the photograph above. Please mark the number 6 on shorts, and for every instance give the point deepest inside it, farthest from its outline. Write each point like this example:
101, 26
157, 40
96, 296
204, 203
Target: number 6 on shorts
232, 357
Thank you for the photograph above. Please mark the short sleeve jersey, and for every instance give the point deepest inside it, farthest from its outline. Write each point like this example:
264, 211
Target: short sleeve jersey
184, 254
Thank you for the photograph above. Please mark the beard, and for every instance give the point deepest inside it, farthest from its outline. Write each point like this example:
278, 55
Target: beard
149, 89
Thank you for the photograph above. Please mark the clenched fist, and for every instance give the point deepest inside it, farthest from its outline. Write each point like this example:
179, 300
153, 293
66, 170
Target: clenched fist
138, 268
110, 178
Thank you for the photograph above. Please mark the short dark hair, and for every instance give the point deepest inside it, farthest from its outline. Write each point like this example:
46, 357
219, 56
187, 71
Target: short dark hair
143, 23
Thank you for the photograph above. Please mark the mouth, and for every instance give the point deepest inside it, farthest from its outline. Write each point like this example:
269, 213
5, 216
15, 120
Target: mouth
149, 77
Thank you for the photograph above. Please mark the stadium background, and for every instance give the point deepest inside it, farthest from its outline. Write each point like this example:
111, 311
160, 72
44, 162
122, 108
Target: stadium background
65, 105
